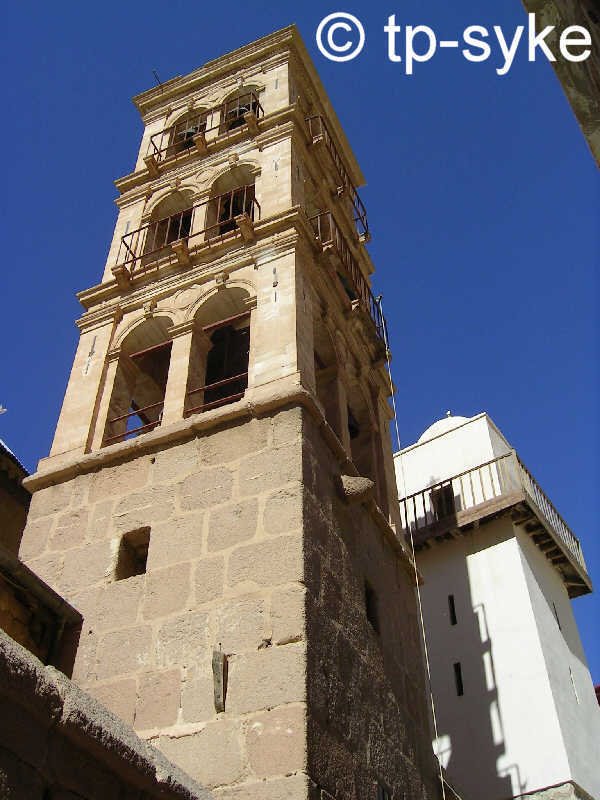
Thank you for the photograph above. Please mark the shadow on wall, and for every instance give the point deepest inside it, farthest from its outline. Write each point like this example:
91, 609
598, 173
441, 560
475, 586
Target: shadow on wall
471, 742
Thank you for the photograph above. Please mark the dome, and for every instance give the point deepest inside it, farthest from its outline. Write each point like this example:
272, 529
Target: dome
443, 425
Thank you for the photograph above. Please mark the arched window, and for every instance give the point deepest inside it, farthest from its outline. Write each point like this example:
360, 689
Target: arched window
171, 220
181, 134
218, 372
234, 108
232, 195
138, 393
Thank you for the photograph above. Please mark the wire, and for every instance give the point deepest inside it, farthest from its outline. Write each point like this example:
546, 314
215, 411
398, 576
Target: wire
412, 547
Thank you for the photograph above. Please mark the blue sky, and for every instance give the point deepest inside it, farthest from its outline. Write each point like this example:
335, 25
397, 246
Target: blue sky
482, 197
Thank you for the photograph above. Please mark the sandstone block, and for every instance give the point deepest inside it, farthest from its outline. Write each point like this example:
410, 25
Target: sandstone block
230, 444
35, 537
120, 479
266, 679
209, 576
212, 756
205, 489
232, 524
267, 563
118, 696
85, 566
241, 625
51, 500
49, 567
158, 699
276, 741
183, 640
175, 540
197, 696
283, 510
144, 508
167, 590
292, 787
114, 605
175, 463
269, 469
124, 651
287, 426
70, 530
100, 522
288, 614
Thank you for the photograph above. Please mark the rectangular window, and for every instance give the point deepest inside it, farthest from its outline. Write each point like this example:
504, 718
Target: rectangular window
458, 679
442, 501
452, 609
133, 554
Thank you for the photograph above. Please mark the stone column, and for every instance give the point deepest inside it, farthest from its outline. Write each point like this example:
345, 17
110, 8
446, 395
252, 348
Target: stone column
113, 397
178, 372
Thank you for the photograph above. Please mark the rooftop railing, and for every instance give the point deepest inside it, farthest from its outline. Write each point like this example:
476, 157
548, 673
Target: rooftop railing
329, 235
179, 138
211, 220
481, 491
319, 131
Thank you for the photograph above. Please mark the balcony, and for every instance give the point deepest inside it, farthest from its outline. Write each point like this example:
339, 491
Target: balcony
212, 221
452, 506
319, 133
189, 134
352, 280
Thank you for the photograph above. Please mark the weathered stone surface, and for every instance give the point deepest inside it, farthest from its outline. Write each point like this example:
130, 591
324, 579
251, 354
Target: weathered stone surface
241, 625
205, 489
268, 469
230, 444
271, 677
167, 590
209, 576
175, 463
183, 640
51, 500
120, 479
112, 605
215, 752
143, 508
176, 540
356, 489
35, 537
283, 510
88, 565
267, 563
231, 524
123, 651
118, 696
70, 530
292, 787
288, 614
100, 523
287, 426
197, 697
158, 699
276, 741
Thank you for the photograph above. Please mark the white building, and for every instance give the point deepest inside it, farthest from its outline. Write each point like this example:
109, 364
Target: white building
515, 704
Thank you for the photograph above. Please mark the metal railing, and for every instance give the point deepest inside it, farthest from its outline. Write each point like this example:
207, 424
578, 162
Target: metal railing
481, 486
209, 388
212, 219
133, 432
354, 282
179, 138
318, 132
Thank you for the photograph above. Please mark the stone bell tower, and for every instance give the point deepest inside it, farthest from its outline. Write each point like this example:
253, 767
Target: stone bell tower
219, 500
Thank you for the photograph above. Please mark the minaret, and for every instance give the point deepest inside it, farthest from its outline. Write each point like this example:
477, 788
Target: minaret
515, 705
219, 501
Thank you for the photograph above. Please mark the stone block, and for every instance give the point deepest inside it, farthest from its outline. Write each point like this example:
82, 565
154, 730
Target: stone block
197, 696
144, 508
231, 524
158, 699
119, 480
35, 537
241, 625
124, 651
209, 576
84, 669
118, 696
100, 524
283, 510
183, 640
232, 443
114, 605
51, 500
175, 463
292, 787
288, 614
267, 563
167, 590
70, 530
205, 489
49, 568
213, 755
85, 566
266, 679
287, 427
276, 741
175, 540
264, 471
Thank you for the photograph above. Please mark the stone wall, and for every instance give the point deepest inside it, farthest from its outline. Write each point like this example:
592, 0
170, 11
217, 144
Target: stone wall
57, 743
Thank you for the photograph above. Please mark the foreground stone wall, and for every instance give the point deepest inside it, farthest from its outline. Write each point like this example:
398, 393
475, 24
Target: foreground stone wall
367, 720
224, 573
57, 743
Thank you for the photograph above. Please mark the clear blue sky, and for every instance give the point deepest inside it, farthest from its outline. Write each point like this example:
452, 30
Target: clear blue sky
482, 196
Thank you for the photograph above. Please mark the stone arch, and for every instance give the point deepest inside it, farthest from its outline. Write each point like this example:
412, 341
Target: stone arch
231, 195
235, 104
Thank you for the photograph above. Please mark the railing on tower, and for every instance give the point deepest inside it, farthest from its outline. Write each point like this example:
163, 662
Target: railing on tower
489, 487
319, 132
148, 243
354, 282
179, 138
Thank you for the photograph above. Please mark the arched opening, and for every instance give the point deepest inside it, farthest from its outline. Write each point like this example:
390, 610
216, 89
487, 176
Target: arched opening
182, 132
170, 220
218, 372
231, 196
138, 393
240, 102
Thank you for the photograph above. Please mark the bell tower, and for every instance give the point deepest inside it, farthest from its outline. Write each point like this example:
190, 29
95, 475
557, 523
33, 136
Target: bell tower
219, 501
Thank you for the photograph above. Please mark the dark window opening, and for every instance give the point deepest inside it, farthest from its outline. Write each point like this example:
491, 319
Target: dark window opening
133, 554
371, 607
442, 500
227, 361
458, 679
353, 426
348, 287
182, 133
452, 609
233, 111
240, 201
164, 231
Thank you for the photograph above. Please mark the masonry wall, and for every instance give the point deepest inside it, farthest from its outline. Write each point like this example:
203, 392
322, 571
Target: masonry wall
224, 572
367, 718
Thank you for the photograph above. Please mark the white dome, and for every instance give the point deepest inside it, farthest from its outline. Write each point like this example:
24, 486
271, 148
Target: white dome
441, 426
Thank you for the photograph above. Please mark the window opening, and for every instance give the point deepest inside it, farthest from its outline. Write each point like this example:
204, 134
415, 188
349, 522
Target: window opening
353, 426
452, 609
133, 554
234, 110
231, 205
183, 132
458, 679
442, 500
371, 607
165, 231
